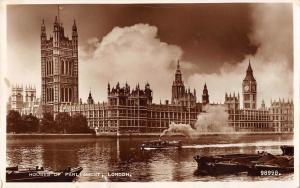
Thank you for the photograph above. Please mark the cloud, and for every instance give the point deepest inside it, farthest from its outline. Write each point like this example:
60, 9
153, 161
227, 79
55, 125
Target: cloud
133, 54
272, 63
136, 54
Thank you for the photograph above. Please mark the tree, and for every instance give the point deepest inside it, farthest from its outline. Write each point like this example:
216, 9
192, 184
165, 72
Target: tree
47, 123
30, 123
79, 124
62, 122
13, 121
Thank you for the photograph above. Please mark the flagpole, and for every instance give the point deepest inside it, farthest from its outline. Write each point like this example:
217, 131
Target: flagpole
58, 13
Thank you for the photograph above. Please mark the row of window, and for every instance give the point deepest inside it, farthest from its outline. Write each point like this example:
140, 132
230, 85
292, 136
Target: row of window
131, 123
66, 67
66, 94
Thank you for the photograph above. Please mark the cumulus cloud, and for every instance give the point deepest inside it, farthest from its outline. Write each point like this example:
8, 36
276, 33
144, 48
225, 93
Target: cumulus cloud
272, 63
133, 54
136, 54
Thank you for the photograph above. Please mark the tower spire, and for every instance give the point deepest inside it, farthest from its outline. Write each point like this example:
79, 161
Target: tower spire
58, 8
249, 73
178, 65
43, 29
249, 67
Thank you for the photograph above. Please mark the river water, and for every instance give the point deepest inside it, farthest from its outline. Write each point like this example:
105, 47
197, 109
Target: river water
120, 160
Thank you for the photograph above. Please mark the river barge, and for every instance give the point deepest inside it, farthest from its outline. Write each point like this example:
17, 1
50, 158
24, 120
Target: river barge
252, 164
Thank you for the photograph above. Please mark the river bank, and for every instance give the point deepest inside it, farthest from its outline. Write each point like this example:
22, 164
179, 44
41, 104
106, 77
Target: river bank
138, 135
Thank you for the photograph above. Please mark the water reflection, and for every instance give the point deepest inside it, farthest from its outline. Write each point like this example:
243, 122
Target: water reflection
106, 156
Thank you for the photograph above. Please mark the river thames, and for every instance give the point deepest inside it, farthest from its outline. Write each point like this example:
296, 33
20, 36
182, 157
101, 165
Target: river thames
121, 159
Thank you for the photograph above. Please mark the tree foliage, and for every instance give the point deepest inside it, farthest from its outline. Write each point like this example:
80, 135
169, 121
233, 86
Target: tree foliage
79, 124
13, 121
47, 123
62, 123
30, 124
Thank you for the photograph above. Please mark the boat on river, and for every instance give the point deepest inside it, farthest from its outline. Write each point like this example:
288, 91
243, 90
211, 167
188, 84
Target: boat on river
161, 144
252, 164
287, 150
15, 174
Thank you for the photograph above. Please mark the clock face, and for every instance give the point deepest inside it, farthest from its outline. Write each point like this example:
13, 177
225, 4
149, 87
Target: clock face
246, 88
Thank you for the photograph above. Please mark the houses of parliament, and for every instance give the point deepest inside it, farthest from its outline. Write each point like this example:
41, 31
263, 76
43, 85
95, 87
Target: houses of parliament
131, 110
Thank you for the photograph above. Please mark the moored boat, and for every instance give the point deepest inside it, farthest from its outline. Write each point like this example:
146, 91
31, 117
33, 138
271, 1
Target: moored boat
254, 164
14, 174
224, 164
287, 150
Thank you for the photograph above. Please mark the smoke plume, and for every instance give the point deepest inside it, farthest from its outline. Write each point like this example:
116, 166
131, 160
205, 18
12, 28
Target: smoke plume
214, 119
180, 128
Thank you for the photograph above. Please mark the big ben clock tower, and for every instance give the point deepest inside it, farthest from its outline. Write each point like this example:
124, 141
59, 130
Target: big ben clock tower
249, 89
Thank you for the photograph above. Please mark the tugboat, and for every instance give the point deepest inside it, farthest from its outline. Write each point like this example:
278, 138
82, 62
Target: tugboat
14, 174
161, 144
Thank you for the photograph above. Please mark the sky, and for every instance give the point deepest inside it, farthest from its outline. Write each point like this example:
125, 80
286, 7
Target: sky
142, 43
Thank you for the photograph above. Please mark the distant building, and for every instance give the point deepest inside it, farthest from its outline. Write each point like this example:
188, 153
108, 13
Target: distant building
131, 110
24, 100
205, 95
277, 118
59, 63
282, 115
16, 98
249, 89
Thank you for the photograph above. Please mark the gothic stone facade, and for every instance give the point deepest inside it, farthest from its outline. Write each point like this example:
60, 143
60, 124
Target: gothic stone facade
277, 118
24, 100
59, 63
132, 111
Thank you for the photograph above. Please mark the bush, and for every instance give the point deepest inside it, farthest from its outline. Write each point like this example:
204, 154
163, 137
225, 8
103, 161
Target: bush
47, 123
13, 121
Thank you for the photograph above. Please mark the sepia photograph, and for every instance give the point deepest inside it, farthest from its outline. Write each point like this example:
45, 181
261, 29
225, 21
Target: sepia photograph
150, 92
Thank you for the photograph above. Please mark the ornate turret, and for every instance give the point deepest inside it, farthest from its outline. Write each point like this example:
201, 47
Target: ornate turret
43, 31
148, 93
205, 96
59, 61
74, 29
181, 95
90, 99
263, 105
249, 74
232, 102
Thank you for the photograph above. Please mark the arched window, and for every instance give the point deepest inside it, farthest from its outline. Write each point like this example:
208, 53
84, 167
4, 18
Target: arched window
52, 94
62, 94
70, 68
70, 95
66, 95
62, 67
47, 67
51, 67
67, 67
